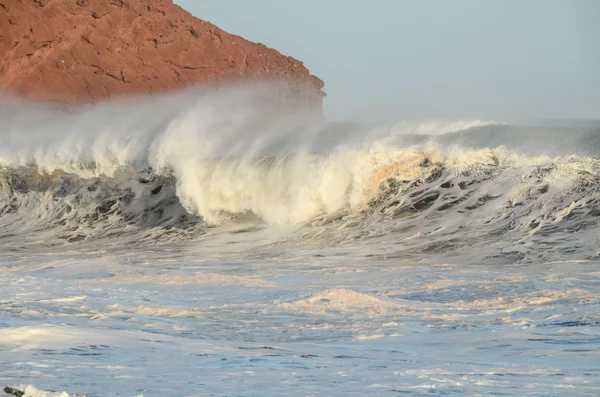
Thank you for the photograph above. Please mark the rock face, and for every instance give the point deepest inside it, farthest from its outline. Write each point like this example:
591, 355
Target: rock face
83, 51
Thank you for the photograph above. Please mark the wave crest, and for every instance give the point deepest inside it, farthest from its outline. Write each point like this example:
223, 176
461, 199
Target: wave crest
169, 168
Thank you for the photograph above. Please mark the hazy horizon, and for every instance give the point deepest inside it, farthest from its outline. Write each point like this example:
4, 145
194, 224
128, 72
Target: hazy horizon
402, 60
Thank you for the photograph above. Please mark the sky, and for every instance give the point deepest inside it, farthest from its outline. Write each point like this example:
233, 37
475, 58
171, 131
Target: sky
392, 60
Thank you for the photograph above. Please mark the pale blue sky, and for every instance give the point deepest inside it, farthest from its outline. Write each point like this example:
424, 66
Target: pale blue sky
389, 60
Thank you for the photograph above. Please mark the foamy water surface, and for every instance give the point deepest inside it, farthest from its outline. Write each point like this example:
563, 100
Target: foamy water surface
210, 248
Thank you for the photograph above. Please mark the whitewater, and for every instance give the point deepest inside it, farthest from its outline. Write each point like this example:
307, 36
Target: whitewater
208, 243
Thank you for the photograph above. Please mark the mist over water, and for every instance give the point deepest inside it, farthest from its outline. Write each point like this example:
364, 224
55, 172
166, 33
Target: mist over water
210, 157
217, 216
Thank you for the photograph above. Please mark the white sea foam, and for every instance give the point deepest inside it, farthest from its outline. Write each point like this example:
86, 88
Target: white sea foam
220, 149
203, 244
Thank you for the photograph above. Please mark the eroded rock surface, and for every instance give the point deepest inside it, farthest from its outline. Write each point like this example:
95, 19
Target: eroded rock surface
83, 51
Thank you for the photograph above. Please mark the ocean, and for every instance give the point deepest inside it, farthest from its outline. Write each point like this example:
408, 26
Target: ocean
204, 244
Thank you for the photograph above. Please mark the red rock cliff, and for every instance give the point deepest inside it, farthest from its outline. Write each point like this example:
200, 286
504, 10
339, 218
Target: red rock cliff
84, 51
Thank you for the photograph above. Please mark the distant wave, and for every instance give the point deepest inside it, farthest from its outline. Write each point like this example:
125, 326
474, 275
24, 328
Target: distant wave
439, 127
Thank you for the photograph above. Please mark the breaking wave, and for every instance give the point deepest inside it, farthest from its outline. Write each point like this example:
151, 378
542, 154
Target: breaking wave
170, 168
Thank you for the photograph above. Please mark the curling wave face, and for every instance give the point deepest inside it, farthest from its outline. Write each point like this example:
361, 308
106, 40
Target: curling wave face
168, 168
